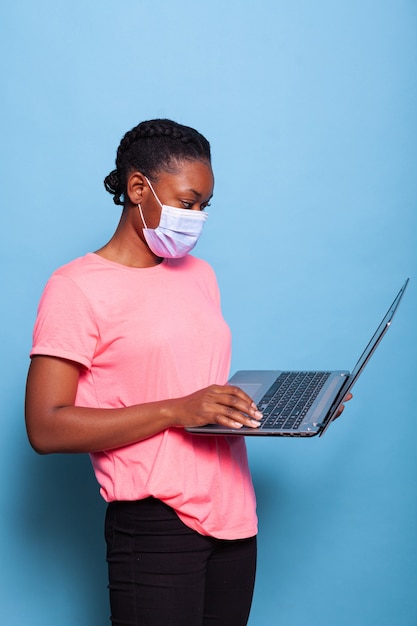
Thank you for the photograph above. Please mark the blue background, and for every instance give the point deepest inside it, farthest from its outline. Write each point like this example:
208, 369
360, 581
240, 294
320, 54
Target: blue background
311, 111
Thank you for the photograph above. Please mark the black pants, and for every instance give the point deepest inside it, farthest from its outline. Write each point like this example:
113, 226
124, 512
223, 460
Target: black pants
162, 573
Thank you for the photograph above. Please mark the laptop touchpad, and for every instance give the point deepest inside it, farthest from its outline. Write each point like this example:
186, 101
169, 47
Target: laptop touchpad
250, 388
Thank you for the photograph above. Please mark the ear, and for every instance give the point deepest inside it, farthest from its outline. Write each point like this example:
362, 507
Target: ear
134, 187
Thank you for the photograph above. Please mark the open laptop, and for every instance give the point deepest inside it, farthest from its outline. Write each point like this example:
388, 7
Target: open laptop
299, 404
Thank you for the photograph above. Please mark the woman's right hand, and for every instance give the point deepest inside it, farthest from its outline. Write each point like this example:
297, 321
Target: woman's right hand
225, 405
55, 424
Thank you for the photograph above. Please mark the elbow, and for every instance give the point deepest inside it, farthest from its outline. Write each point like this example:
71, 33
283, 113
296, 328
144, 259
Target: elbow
44, 438
41, 450
39, 438
39, 443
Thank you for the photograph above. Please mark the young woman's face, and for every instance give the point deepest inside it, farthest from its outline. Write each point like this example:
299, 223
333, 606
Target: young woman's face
189, 188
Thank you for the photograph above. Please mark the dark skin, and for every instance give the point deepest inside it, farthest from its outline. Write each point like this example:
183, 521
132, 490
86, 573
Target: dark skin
54, 423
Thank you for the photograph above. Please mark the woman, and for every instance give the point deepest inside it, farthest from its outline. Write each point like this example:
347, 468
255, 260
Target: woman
129, 348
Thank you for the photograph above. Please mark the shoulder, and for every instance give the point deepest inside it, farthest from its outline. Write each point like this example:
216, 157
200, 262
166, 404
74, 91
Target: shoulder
71, 284
77, 267
90, 273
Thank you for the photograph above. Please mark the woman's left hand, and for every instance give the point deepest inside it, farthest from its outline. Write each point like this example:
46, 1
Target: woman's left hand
342, 406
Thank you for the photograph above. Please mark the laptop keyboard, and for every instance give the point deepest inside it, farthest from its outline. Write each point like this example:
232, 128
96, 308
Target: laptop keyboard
288, 400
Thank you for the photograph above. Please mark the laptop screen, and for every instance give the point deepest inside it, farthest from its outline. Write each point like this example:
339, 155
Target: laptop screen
376, 338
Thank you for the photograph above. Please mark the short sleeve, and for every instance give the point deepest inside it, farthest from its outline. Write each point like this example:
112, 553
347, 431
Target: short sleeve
65, 326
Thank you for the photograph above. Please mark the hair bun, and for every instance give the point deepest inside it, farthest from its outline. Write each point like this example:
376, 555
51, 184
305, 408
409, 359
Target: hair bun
111, 182
112, 185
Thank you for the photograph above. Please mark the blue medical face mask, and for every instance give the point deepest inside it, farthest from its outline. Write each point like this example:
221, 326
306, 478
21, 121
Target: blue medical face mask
178, 230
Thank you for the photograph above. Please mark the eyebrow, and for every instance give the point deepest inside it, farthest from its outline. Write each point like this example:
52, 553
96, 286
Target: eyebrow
197, 194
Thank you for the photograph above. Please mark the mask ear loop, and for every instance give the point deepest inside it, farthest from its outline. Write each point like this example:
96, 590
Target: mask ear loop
153, 191
141, 214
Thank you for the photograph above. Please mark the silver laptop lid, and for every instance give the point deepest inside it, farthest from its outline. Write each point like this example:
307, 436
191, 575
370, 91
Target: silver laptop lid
366, 354
377, 336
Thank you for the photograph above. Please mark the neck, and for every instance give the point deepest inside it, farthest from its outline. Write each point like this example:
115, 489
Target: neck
128, 246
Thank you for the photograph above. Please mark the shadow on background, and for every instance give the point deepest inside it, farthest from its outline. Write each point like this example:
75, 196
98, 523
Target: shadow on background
60, 521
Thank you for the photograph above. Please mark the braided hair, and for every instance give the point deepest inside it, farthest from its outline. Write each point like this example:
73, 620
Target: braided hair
151, 147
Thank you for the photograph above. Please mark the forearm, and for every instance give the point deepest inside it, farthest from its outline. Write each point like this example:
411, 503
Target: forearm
78, 429
55, 424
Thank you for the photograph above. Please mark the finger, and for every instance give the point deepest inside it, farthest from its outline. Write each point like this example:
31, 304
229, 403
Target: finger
229, 406
242, 401
234, 413
235, 419
242, 404
339, 411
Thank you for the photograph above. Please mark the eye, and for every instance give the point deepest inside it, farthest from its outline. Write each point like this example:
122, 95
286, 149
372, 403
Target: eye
190, 204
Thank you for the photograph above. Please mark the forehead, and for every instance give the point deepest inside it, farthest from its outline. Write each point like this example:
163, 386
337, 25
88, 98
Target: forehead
189, 175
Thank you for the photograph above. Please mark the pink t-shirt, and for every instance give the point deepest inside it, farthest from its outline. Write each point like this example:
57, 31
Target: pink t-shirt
142, 335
